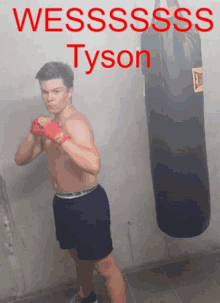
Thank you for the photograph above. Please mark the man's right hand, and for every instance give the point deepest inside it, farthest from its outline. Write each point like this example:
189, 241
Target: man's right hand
36, 129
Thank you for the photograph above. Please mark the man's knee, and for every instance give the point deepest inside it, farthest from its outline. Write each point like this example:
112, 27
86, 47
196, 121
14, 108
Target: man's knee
108, 268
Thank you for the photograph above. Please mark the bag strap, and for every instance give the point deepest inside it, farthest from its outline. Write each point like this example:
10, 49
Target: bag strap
170, 3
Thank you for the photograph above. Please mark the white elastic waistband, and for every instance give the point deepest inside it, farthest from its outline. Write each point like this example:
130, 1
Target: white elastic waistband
74, 194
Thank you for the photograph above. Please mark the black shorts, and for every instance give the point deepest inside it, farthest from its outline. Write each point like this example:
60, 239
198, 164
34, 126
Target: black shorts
83, 223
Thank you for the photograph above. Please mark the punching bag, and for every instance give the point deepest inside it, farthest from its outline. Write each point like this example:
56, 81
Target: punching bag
175, 116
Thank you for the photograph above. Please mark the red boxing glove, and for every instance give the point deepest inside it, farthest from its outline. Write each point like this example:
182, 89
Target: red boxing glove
52, 130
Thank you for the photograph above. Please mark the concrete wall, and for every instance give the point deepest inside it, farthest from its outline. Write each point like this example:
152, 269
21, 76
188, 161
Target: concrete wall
112, 99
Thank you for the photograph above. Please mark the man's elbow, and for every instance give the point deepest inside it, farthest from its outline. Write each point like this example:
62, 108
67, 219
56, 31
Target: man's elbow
95, 171
20, 162
96, 167
17, 161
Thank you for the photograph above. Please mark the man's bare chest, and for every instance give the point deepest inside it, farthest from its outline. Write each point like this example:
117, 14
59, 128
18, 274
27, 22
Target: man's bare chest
59, 162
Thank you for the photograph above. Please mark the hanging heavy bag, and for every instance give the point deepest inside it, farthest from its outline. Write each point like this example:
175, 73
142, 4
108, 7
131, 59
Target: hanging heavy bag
175, 117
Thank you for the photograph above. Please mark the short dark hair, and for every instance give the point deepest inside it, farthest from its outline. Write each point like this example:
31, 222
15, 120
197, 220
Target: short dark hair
56, 70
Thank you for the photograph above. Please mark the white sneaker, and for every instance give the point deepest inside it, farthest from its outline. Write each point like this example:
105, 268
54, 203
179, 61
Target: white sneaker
90, 299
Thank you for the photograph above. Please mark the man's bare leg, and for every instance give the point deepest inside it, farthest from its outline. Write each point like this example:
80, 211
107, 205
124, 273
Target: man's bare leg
84, 271
108, 269
112, 274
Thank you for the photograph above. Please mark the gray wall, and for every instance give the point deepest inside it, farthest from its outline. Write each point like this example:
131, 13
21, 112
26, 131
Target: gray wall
113, 101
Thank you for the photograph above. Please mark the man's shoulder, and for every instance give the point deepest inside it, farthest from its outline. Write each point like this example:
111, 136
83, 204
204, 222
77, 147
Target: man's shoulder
78, 124
79, 117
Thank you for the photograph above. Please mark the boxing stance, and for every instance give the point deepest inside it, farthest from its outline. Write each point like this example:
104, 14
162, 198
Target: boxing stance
80, 204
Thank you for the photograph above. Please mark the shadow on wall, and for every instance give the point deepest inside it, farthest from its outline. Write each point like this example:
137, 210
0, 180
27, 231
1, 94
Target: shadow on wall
16, 117
33, 178
6, 218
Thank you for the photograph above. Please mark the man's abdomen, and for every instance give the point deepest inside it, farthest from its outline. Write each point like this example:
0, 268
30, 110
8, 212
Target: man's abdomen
66, 176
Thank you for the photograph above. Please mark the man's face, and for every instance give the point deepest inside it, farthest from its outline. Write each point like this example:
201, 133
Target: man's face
55, 95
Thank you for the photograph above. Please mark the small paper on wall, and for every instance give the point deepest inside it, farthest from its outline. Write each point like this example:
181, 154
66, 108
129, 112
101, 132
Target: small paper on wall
197, 79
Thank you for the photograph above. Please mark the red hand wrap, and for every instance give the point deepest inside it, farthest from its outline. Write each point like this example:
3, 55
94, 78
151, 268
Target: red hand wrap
35, 127
50, 131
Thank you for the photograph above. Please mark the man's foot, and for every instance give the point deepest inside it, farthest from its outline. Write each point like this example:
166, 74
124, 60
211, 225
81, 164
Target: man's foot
90, 299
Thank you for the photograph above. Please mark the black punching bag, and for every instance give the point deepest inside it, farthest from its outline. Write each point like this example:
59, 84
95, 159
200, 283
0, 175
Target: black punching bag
175, 117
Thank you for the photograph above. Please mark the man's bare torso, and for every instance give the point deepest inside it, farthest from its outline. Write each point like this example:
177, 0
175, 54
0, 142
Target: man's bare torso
64, 173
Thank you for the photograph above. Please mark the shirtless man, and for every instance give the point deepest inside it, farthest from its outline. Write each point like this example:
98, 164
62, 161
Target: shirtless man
80, 204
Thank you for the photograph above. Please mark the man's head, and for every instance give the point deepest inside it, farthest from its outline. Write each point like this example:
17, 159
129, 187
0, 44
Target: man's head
56, 82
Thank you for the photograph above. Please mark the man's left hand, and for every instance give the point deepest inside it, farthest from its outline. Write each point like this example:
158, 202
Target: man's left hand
50, 129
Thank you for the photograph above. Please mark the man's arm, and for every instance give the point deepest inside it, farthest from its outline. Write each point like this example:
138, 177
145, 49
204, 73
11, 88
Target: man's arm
81, 148
29, 149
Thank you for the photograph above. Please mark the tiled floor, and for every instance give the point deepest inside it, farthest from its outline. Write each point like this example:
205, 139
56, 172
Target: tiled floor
193, 280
